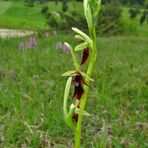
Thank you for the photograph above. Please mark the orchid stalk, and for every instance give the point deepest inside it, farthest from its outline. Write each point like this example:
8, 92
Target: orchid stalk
81, 80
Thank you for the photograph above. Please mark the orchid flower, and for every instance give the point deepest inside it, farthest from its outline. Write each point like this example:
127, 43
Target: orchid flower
81, 80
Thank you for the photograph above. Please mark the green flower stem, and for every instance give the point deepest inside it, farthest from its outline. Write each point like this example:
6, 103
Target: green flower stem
86, 88
76, 64
79, 124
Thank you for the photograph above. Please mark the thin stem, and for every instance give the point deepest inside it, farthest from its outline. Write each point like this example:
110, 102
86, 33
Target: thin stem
76, 64
79, 124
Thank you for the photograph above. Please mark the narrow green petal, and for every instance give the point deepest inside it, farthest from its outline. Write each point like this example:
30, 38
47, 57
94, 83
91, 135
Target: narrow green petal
79, 37
81, 46
81, 112
66, 94
69, 73
85, 75
87, 38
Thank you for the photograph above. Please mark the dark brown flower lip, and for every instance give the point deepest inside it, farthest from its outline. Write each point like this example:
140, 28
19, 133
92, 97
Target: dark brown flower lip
85, 56
78, 81
78, 92
75, 117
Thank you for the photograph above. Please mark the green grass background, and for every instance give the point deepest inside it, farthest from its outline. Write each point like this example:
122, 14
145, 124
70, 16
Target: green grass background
31, 108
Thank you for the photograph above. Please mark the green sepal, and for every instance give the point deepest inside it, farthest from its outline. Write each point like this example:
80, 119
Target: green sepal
69, 73
85, 36
85, 75
66, 94
68, 115
81, 112
81, 46
79, 37
69, 120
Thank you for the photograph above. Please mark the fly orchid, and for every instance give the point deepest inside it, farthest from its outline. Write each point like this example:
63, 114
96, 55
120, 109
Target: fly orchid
79, 79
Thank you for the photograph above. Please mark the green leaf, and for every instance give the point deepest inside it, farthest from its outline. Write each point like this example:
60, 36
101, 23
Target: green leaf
81, 112
69, 73
85, 36
81, 46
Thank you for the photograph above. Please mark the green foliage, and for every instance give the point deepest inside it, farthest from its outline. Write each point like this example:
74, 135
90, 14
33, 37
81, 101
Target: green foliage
19, 16
110, 19
146, 4
64, 21
134, 12
30, 108
132, 2
77, 21
55, 20
65, 7
30, 3
144, 17
44, 9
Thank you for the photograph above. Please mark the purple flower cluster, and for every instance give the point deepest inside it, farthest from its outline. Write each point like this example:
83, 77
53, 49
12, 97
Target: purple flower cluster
62, 47
30, 44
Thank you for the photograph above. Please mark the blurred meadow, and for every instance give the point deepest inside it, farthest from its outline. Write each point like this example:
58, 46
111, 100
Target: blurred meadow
31, 85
